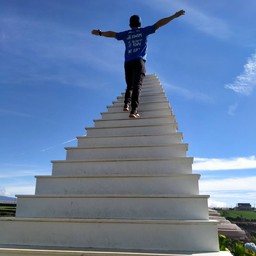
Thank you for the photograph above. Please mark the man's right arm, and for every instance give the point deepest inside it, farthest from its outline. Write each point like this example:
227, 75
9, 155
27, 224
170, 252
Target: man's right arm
97, 32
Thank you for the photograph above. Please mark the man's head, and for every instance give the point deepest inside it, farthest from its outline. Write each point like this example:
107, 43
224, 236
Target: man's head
135, 21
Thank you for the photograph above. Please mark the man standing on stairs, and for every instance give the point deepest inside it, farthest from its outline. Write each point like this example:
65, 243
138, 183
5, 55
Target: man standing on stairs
135, 41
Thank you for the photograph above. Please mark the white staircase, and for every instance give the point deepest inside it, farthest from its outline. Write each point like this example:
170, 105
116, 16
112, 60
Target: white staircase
127, 188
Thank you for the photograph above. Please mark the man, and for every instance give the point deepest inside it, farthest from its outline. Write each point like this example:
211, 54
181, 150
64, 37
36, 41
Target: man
135, 41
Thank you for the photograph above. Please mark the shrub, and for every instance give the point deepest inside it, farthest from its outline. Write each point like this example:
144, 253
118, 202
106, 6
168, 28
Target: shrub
236, 248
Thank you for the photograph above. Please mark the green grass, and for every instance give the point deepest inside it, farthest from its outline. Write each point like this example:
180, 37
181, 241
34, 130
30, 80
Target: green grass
246, 215
7, 210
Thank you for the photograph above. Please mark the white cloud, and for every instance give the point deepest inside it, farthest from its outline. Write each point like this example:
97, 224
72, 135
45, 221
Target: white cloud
3, 192
18, 188
22, 189
216, 204
214, 164
230, 191
18, 178
229, 199
229, 184
245, 83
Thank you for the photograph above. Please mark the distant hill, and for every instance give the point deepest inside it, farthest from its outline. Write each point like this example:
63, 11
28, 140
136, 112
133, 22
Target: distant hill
7, 199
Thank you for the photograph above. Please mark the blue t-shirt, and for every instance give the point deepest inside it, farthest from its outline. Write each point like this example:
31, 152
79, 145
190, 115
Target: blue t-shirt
136, 42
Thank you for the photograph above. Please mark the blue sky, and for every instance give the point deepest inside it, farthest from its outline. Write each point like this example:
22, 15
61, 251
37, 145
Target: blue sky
56, 78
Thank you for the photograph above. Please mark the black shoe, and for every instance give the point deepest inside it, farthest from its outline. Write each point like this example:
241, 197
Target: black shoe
134, 114
126, 107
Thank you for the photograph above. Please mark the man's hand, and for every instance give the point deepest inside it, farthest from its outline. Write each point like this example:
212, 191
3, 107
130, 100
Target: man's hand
95, 32
179, 13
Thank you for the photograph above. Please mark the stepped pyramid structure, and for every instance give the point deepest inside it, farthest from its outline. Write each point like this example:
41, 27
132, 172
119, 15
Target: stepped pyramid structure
225, 227
126, 189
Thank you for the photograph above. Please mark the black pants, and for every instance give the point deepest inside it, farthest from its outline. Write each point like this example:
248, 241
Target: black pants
135, 71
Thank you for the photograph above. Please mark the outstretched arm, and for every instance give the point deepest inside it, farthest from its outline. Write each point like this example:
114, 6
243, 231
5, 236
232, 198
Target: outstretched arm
97, 32
166, 20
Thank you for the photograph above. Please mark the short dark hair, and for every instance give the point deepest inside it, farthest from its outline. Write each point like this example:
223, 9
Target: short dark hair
135, 21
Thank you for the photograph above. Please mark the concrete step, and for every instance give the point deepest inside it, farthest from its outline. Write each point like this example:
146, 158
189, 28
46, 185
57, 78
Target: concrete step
146, 93
151, 78
138, 152
142, 235
232, 231
151, 84
181, 165
150, 207
151, 89
153, 101
42, 251
144, 99
225, 227
146, 86
186, 184
120, 141
140, 130
153, 114
118, 107
123, 121
159, 97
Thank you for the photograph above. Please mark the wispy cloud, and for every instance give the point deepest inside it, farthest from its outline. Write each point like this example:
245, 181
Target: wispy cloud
212, 26
245, 83
68, 141
200, 20
6, 112
9, 171
48, 148
63, 143
190, 95
52, 53
215, 164
232, 109
19, 178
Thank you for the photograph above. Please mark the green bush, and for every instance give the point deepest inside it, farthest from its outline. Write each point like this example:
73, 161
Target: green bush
235, 247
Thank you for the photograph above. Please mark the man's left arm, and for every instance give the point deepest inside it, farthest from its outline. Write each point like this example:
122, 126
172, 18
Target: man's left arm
166, 20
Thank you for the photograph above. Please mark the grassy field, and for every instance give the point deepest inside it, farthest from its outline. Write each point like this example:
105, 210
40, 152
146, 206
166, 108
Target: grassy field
7, 210
245, 215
